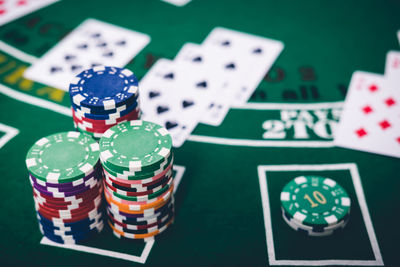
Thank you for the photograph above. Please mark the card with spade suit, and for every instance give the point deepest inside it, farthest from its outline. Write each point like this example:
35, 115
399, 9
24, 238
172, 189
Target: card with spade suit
252, 55
239, 59
93, 43
175, 96
218, 65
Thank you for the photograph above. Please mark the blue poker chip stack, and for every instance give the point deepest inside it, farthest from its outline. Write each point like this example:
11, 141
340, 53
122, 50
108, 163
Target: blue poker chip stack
102, 97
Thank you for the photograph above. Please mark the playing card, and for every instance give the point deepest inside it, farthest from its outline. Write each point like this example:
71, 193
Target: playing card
13, 9
254, 54
371, 116
392, 69
174, 96
218, 66
93, 43
177, 2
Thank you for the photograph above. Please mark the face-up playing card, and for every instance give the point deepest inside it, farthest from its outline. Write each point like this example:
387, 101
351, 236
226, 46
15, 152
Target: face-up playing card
392, 69
13, 9
175, 96
371, 116
91, 44
217, 66
255, 55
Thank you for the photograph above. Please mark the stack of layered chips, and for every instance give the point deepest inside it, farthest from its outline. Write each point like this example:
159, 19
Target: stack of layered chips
66, 178
102, 97
315, 205
137, 162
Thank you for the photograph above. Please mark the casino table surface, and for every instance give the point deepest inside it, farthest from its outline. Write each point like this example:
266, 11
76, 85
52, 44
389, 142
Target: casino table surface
230, 177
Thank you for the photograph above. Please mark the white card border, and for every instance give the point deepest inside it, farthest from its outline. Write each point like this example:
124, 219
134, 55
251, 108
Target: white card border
114, 254
352, 167
9, 133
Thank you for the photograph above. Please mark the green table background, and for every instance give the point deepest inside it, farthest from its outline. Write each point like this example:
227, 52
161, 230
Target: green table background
219, 211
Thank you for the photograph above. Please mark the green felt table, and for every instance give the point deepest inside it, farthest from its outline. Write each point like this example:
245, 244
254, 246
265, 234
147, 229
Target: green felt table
230, 177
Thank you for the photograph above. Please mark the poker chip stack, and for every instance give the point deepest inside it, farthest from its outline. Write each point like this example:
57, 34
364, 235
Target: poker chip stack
137, 163
66, 178
314, 205
102, 97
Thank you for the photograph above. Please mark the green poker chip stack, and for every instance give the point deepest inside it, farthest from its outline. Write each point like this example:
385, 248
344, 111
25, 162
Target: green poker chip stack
66, 179
137, 161
315, 205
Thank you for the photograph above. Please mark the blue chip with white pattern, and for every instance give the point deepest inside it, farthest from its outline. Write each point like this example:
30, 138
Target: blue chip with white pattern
103, 88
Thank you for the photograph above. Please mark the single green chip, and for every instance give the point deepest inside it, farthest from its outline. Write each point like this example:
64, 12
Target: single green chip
142, 175
315, 200
135, 146
62, 157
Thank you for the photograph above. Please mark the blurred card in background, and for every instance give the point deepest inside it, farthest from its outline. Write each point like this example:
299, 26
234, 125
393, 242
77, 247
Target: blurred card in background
93, 43
13, 9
